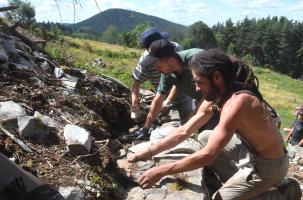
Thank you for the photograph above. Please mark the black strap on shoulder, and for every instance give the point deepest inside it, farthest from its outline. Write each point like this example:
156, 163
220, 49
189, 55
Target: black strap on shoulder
244, 91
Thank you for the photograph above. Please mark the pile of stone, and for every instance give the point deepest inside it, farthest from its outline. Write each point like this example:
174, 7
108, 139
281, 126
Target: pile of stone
65, 119
186, 186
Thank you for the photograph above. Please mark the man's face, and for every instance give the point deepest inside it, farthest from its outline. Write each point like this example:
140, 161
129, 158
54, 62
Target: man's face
164, 66
207, 87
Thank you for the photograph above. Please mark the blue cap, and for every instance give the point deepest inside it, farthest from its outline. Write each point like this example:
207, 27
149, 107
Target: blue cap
152, 34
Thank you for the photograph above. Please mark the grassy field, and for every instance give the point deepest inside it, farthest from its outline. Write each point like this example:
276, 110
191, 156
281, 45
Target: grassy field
281, 91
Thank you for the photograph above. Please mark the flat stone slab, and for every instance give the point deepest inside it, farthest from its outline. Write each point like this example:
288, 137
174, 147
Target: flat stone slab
138, 193
10, 110
134, 170
160, 133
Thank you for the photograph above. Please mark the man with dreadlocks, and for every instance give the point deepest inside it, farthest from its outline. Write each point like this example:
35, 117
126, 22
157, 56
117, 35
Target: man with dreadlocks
245, 149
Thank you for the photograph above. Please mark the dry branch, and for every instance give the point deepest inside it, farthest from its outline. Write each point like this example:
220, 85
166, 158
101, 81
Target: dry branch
8, 8
19, 142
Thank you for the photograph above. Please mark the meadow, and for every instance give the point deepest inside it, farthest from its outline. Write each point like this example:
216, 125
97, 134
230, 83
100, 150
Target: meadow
281, 91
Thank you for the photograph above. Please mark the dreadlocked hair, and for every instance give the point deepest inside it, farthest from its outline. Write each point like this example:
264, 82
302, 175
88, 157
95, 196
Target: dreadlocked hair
237, 74
245, 78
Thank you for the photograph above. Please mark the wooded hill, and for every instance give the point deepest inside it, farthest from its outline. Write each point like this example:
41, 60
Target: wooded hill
124, 20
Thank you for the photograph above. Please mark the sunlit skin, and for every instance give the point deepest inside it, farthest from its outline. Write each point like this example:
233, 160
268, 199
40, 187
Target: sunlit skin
207, 87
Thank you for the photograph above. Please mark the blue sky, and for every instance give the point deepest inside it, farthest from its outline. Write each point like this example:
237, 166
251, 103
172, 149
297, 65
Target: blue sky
185, 12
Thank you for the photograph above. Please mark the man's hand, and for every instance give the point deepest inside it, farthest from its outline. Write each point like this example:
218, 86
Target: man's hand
139, 156
150, 177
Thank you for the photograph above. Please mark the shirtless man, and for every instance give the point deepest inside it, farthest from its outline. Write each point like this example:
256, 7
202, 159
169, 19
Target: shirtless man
258, 164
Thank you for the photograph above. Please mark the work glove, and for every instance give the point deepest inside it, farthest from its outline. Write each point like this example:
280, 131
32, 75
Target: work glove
141, 134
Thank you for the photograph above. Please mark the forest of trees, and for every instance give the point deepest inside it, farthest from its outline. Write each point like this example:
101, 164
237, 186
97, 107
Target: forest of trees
272, 42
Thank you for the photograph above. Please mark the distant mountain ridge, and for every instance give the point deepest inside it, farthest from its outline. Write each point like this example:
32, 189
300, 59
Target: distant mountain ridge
124, 20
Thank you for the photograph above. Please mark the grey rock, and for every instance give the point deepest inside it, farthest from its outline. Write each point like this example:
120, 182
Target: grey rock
190, 180
138, 193
72, 193
160, 133
3, 66
147, 95
185, 195
10, 110
49, 122
134, 170
121, 153
45, 67
10, 48
22, 47
33, 128
69, 81
77, 139
3, 55
3, 35
23, 65
115, 145
58, 72
27, 62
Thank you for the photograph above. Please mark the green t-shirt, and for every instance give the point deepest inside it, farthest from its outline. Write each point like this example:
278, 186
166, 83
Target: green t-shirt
184, 82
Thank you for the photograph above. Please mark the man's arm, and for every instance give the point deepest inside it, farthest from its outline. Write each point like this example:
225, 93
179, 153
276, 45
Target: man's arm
135, 94
287, 137
139, 76
167, 103
178, 135
300, 144
216, 142
154, 110
172, 94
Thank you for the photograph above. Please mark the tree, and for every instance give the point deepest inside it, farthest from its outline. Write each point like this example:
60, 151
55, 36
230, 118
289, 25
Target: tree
199, 35
229, 34
24, 14
110, 35
132, 38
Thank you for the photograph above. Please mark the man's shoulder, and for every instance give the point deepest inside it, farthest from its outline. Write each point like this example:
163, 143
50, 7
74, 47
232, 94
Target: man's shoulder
244, 95
189, 53
192, 50
239, 100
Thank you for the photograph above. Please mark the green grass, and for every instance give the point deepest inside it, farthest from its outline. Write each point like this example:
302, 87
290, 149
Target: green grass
281, 91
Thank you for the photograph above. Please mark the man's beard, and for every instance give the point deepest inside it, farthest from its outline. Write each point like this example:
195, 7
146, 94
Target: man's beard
213, 93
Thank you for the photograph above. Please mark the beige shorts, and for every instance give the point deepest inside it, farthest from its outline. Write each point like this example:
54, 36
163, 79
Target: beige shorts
244, 175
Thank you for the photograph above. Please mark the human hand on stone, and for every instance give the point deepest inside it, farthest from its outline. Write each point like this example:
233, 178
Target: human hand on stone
139, 156
150, 177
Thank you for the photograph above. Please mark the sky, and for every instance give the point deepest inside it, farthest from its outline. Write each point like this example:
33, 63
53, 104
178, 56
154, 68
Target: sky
184, 12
